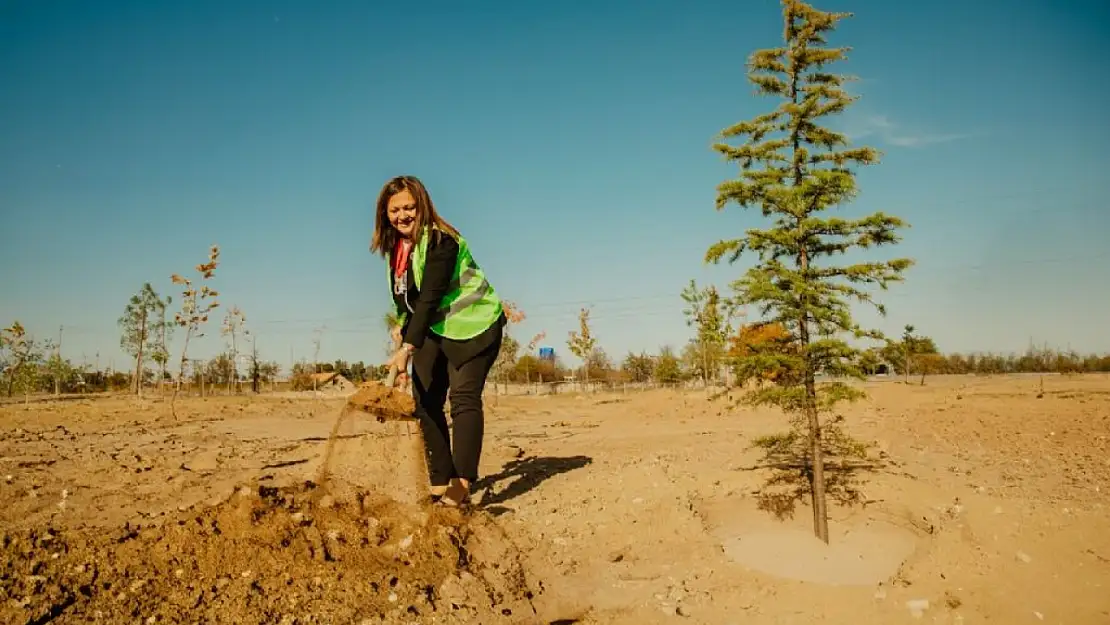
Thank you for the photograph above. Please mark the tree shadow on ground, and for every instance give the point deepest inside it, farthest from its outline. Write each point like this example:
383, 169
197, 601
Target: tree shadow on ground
523, 475
789, 484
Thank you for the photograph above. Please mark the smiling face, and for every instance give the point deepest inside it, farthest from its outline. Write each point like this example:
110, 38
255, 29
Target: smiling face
404, 211
401, 211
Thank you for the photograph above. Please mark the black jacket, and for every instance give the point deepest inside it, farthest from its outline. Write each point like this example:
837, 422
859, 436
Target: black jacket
422, 303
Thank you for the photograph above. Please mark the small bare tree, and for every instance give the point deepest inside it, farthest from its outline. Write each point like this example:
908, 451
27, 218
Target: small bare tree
233, 326
583, 342
196, 304
531, 347
506, 357
907, 348
161, 352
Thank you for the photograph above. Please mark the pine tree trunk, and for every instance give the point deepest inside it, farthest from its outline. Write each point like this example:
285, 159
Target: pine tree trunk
816, 448
816, 451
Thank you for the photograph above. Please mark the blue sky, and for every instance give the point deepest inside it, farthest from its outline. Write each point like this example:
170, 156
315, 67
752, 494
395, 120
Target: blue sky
568, 141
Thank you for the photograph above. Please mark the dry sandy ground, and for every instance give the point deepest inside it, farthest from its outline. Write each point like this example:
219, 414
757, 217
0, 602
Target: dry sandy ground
990, 506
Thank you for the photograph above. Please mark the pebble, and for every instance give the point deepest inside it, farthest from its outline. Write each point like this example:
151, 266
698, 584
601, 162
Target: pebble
406, 542
917, 607
1024, 557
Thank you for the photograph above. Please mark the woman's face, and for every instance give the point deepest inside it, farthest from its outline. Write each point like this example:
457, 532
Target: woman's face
401, 211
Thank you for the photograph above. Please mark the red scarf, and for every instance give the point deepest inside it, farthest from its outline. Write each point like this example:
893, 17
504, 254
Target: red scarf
401, 257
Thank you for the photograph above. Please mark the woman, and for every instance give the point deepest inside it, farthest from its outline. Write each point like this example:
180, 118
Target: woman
451, 323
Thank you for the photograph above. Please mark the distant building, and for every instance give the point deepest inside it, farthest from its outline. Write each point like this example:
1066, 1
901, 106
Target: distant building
332, 382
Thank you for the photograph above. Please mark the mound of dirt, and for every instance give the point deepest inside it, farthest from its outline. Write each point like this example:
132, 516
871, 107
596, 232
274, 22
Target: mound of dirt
268, 555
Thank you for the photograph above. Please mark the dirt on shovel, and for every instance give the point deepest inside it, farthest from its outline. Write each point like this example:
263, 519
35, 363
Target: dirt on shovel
383, 401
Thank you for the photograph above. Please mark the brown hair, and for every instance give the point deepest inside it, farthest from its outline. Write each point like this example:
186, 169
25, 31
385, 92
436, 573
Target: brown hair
385, 236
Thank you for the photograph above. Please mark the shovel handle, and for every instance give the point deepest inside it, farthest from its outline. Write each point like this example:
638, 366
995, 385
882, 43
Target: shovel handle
391, 377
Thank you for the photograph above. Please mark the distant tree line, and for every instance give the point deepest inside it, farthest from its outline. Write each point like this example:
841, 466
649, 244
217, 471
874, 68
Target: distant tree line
32, 367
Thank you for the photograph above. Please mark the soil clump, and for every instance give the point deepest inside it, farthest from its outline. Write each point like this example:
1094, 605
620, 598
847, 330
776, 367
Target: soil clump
271, 555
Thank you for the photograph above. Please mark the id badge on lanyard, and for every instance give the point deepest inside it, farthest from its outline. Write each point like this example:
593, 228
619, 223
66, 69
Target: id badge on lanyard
401, 273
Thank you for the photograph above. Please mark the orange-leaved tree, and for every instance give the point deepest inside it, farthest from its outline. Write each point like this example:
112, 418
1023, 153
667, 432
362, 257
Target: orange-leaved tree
197, 302
762, 338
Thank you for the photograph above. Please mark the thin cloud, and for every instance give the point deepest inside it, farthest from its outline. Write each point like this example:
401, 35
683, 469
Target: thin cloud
887, 131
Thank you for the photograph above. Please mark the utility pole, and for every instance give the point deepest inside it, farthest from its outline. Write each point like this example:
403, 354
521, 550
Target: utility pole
255, 373
58, 355
318, 336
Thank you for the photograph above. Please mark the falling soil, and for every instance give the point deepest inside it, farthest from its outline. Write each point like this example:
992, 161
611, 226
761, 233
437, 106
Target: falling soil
388, 453
270, 555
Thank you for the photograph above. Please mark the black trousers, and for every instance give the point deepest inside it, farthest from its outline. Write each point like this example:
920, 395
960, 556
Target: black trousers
435, 379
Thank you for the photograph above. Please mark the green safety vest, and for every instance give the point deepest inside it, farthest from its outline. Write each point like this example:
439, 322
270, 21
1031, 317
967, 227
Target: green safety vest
470, 305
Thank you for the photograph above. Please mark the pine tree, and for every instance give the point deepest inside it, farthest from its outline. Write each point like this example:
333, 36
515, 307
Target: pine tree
793, 170
707, 312
582, 343
142, 327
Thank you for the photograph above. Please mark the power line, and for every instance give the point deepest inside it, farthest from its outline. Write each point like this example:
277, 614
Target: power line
664, 303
